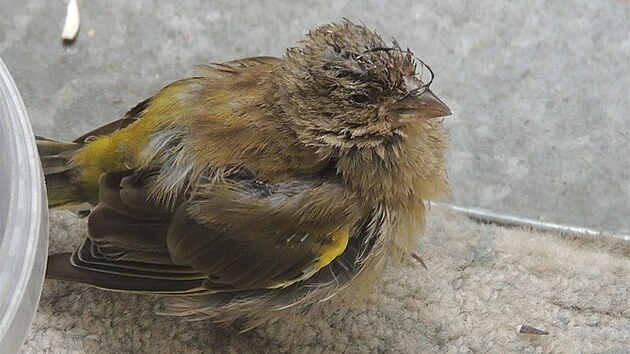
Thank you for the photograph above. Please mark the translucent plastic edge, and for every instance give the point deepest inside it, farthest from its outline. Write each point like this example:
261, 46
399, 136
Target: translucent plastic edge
14, 325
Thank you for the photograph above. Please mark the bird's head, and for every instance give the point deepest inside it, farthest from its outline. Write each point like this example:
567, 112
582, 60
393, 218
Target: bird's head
348, 89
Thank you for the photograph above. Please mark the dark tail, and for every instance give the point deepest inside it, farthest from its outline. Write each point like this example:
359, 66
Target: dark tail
55, 156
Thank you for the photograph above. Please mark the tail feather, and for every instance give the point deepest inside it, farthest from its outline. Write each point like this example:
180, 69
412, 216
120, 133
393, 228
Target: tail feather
60, 266
55, 156
54, 164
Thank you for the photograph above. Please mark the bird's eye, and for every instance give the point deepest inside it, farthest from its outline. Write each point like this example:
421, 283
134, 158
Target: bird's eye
359, 99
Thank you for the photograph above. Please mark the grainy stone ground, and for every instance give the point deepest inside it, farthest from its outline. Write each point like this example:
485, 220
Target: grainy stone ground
539, 89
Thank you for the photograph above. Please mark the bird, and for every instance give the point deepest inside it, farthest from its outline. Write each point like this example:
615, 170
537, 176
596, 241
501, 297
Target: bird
262, 188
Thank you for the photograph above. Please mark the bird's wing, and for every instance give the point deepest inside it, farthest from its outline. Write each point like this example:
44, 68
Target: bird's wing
131, 116
236, 235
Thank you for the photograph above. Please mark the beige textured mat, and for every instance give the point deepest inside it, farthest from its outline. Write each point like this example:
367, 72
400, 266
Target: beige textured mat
483, 281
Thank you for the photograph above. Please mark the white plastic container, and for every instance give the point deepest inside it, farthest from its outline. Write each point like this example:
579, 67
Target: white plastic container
23, 218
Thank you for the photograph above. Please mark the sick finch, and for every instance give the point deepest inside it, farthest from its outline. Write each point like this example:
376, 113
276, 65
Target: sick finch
262, 188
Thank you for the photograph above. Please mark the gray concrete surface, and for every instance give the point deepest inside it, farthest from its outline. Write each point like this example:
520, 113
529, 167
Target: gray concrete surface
539, 89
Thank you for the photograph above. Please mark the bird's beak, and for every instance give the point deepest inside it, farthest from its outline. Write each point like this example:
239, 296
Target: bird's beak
414, 108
